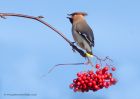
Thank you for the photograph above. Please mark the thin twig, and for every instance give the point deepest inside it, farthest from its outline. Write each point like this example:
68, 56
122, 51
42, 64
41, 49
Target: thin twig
61, 65
65, 65
103, 59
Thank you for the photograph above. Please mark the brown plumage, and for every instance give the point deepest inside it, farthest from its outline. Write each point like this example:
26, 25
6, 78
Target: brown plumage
81, 31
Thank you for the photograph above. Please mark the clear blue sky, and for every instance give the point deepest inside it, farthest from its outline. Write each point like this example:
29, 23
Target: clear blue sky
28, 49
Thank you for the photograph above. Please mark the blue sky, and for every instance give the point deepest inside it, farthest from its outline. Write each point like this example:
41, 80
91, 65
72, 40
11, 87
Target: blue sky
28, 49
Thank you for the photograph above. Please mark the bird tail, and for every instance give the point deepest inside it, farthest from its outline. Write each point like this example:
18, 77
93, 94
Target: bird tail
89, 54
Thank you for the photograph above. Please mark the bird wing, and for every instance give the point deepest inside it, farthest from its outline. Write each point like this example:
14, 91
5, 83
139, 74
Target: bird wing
86, 32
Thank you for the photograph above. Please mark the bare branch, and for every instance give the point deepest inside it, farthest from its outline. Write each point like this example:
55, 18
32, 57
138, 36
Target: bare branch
39, 19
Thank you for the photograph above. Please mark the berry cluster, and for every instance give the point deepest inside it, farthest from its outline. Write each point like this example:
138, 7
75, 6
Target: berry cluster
89, 80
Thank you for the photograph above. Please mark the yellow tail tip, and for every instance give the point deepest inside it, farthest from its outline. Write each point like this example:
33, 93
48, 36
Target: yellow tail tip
89, 55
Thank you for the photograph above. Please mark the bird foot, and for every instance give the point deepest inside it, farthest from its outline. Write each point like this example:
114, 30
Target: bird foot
87, 63
73, 43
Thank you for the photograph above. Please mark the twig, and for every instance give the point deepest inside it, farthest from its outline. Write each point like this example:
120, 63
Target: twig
61, 65
64, 65
103, 59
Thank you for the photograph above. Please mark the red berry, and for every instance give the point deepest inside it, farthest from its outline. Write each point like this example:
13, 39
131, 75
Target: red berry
100, 80
88, 78
79, 79
97, 66
74, 80
76, 89
84, 86
80, 87
84, 77
78, 83
100, 72
97, 72
104, 84
113, 81
78, 74
106, 68
91, 72
109, 76
90, 84
113, 68
93, 82
102, 76
96, 87
91, 76
71, 86
105, 76
82, 82
99, 77
108, 83
86, 81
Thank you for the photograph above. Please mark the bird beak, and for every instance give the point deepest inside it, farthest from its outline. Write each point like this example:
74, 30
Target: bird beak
69, 14
68, 17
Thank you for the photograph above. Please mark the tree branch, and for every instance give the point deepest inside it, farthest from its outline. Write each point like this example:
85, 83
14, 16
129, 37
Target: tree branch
39, 19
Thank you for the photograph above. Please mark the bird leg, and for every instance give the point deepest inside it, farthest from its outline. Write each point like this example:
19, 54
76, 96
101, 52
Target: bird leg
89, 62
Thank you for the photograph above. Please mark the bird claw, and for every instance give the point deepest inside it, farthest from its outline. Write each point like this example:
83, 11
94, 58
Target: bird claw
73, 50
73, 43
87, 63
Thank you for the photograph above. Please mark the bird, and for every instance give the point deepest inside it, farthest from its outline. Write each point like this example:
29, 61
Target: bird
82, 32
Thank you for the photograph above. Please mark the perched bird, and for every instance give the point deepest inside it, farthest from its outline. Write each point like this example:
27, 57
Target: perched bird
82, 33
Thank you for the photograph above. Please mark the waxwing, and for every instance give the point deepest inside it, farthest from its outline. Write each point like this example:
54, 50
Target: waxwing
81, 31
